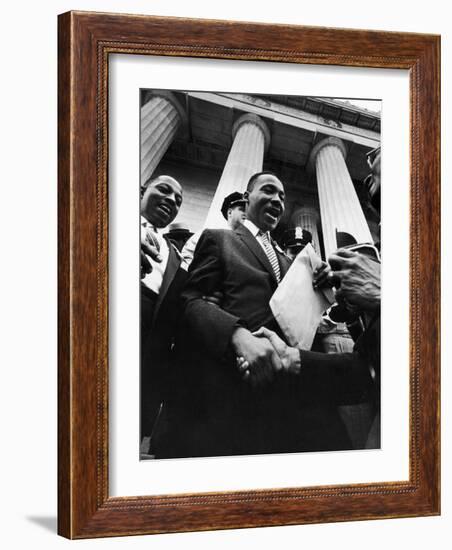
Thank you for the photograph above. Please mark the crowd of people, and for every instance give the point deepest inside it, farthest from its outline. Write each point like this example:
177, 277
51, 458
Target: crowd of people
218, 376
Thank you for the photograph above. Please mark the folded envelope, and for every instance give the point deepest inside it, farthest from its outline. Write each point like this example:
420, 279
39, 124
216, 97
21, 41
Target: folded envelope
296, 306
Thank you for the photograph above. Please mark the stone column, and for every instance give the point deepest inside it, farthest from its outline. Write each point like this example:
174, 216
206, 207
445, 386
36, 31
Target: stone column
307, 218
161, 118
340, 209
251, 138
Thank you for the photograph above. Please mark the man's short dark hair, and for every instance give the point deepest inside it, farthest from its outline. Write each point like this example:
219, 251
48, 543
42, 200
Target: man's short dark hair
231, 201
151, 180
255, 177
146, 184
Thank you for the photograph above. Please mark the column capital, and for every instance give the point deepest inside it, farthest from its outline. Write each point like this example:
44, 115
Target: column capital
251, 118
171, 98
326, 142
309, 210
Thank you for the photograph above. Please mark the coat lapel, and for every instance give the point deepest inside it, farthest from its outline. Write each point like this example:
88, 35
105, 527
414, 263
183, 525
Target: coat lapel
251, 242
171, 268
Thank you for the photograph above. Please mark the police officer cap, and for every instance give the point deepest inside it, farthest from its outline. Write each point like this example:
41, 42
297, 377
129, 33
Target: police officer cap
297, 236
234, 199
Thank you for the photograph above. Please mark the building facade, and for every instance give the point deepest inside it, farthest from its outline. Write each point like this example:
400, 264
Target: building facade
213, 142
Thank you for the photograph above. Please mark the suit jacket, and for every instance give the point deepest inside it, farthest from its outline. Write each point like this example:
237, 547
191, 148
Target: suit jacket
235, 263
213, 411
159, 319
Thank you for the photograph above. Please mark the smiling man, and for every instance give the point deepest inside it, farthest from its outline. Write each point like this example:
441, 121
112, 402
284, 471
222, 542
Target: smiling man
161, 200
161, 284
215, 410
160, 203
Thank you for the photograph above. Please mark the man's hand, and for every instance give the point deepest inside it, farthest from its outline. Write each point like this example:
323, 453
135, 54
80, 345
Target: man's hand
290, 357
322, 277
257, 354
149, 247
357, 277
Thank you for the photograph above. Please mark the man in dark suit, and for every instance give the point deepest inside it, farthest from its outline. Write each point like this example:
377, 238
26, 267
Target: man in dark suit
161, 284
356, 277
216, 410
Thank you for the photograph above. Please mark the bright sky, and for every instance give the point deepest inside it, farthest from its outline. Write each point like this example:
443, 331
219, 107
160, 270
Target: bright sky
369, 104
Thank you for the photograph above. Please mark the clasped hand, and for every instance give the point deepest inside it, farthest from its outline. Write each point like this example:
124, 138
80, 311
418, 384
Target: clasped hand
261, 355
149, 247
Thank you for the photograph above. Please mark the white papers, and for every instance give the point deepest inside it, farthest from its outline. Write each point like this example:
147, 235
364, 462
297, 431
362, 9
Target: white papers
296, 306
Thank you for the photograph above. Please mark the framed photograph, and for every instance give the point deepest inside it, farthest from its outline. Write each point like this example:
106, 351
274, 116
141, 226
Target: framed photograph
248, 275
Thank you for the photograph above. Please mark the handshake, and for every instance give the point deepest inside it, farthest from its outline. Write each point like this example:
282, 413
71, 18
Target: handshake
262, 354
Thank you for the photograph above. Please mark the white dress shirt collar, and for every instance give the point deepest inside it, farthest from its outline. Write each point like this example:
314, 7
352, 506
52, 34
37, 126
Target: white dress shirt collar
252, 227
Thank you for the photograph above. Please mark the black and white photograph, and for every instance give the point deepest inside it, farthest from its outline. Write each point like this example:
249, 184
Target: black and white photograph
259, 274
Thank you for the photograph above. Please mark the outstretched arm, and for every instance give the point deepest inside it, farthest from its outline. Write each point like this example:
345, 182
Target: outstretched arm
344, 376
216, 330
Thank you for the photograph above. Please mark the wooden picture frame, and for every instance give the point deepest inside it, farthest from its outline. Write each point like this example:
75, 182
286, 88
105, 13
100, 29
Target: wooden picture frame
85, 42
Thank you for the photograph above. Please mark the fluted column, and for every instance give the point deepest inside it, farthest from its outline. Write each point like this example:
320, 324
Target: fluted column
340, 209
161, 118
251, 138
307, 218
